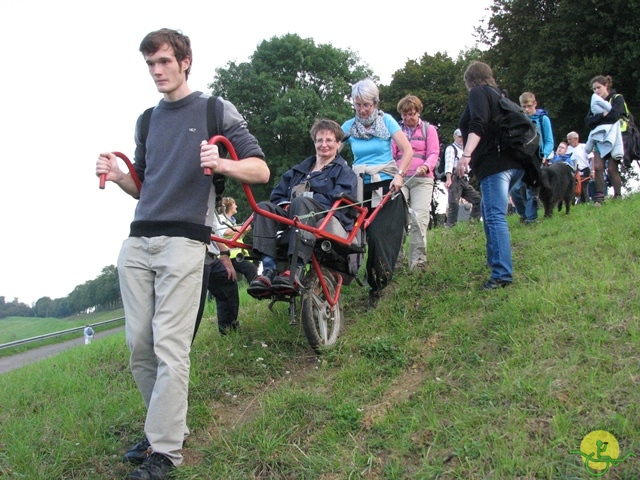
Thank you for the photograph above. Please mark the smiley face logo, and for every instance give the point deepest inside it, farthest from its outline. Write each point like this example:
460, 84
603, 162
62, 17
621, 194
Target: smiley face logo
600, 451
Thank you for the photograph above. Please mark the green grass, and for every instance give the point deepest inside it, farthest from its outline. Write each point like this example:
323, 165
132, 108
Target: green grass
20, 328
441, 381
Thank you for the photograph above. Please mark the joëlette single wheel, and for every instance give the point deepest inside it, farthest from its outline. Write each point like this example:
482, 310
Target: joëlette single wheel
320, 322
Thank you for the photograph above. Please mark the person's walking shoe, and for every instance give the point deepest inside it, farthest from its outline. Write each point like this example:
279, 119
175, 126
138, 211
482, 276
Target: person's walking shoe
155, 467
420, 266
226, 329
261, 285
285, 284
494, 283
374, 298
598, 200
138, 453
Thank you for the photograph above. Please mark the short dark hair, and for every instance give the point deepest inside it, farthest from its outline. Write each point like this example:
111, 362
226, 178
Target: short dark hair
325, 124
179, 42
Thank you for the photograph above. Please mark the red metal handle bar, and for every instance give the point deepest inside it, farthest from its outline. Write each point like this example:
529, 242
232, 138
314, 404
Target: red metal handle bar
332, 300
132, 171
375, 211
219, 138
247, 189
235, 241
295, 222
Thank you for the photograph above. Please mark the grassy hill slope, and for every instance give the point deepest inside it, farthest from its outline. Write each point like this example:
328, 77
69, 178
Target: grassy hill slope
21, 328
441, 381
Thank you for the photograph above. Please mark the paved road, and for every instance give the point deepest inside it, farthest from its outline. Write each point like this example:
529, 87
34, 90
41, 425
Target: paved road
18, 360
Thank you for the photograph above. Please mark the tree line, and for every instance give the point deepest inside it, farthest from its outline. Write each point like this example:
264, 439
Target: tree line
99, 294
549, 47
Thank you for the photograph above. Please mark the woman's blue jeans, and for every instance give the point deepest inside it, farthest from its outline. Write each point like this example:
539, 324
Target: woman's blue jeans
495, 199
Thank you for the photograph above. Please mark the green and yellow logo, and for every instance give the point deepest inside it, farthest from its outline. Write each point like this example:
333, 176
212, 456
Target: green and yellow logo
600, 451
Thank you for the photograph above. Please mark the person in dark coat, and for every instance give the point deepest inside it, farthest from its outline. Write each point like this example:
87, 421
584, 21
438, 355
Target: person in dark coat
496, 172
311, 186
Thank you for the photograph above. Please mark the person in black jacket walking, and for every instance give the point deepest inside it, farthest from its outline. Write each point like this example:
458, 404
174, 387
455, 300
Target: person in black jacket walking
495, 171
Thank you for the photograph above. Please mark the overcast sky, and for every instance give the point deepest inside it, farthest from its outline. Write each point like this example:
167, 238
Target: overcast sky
79, 83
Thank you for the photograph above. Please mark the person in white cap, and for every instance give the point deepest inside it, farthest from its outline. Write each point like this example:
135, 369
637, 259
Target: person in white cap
458, 187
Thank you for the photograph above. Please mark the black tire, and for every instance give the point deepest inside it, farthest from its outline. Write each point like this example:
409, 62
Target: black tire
321, 324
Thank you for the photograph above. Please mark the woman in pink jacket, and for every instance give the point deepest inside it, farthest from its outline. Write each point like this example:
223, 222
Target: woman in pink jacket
418, 185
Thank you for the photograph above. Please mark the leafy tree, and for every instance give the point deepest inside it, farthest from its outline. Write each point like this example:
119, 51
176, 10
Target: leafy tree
101, 293
554, 47
107, 289
287, 84
437, 81
62, 307
43, 308
14, 308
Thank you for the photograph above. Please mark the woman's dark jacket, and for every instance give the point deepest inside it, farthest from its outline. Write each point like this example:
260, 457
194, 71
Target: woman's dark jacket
327, 185
482, 107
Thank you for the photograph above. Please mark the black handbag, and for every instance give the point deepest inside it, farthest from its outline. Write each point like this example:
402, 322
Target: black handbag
631, 142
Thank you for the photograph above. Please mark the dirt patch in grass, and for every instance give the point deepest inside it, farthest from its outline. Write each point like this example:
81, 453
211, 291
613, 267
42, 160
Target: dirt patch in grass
230, 412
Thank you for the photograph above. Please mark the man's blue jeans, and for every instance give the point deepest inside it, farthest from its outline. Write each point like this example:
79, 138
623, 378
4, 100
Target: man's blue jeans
526, 203
495, 199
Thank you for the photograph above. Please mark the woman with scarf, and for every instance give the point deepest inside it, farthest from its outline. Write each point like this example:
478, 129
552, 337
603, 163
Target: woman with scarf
370, 134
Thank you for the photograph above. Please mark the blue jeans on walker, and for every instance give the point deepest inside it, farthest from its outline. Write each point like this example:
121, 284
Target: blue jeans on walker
525, 201
495, 198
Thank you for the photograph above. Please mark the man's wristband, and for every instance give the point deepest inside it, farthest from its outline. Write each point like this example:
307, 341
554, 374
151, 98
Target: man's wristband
463, 155
226, 253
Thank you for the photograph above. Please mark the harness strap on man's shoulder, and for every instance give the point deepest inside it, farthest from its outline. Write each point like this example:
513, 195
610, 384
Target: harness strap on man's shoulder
215, 116
144, 125
215, 125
